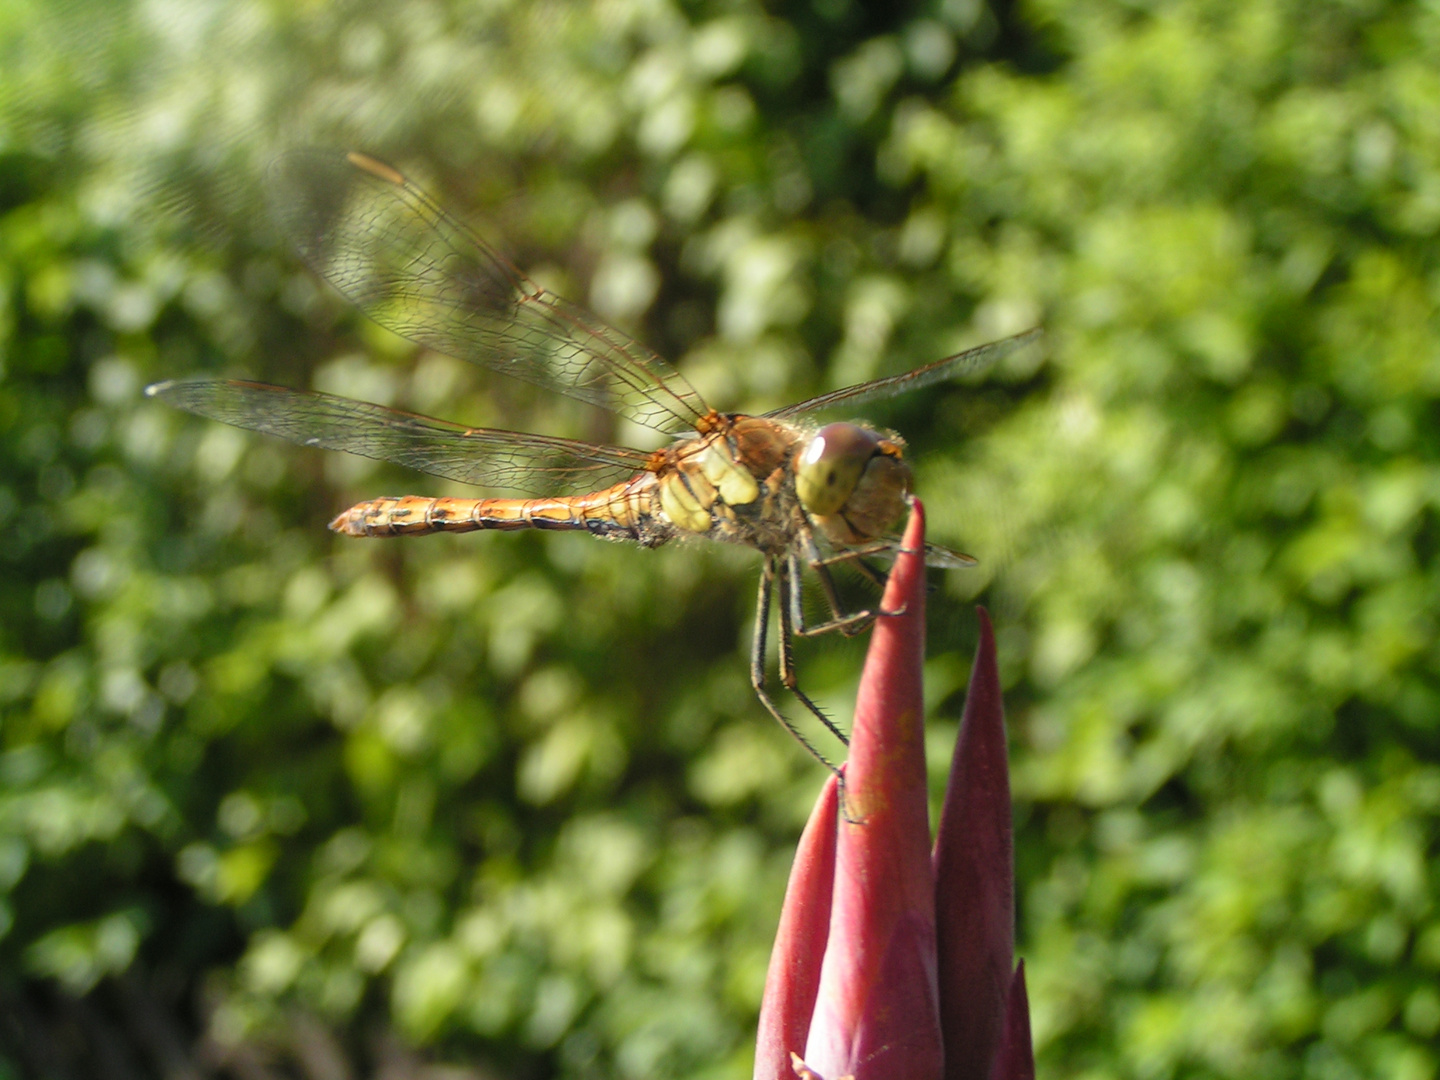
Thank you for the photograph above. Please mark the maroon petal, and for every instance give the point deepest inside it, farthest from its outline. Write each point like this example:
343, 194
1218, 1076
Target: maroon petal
794, 975
876, 1014
1015, 1060
975, 877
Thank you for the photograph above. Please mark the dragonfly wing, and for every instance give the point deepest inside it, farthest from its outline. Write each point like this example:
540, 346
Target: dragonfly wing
414, 268
533, 464
941, 557
947, 559
965, 363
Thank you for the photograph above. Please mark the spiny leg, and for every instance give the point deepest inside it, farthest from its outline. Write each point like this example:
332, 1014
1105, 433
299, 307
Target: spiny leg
757, 666
878, 578
859, 558
791, 613
880, 547
870, 572
847, 623
856, 557
789, 603
795, 593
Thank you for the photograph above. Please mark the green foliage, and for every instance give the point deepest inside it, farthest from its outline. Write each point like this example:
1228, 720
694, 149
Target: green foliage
511, 794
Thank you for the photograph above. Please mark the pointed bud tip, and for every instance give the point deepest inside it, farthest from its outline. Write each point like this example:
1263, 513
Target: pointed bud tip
1015, 1057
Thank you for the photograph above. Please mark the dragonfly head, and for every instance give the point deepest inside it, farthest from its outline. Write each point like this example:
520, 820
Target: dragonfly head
853, 481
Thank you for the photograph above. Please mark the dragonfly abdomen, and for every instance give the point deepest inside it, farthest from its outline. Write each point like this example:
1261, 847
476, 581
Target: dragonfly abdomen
619, 512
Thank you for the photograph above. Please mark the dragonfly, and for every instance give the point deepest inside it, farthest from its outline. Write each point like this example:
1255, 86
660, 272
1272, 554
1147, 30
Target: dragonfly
807, 496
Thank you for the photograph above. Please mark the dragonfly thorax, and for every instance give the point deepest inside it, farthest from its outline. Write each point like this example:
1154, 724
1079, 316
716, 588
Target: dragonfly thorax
852, 481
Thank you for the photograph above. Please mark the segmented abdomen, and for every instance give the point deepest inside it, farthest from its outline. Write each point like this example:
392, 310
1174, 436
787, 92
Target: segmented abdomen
618, 511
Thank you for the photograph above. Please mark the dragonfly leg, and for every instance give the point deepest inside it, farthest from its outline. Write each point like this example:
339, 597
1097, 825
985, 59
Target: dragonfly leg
847, 623
827, 589
757, 668
880, 547
878, 578
789, 593
858, 558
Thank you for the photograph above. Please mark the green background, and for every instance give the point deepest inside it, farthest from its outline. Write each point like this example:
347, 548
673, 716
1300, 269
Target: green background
508, 800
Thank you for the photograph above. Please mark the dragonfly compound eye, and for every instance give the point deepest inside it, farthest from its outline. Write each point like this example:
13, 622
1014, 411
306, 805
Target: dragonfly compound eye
831, 464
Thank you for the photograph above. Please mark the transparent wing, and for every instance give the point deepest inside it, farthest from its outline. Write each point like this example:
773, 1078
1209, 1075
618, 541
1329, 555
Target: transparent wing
398, 256
533, 464
941, 557
965, 363
948, 559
